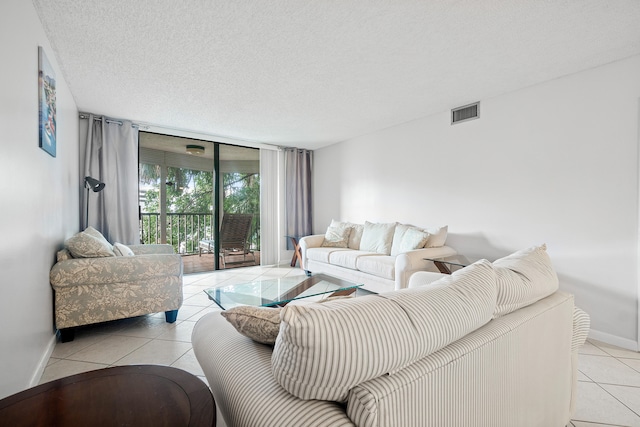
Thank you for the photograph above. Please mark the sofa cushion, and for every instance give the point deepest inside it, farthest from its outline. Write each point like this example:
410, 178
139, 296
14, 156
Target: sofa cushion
379, 265
324, 350
87, 245
349, 258
261, 324
407, 238
523, 278
356, 232
437, 236
322, 254
377, 237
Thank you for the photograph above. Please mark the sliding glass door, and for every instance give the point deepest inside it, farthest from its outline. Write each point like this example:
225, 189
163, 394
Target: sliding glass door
240, 171
182, 203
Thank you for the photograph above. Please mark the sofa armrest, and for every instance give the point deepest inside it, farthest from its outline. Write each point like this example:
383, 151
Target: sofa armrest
107, 270
581, 323
408, 263
238, 371
152, 249
422, 278
313, 241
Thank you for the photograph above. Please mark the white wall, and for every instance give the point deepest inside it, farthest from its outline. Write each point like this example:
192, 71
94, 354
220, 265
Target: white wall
39, 197
556, 163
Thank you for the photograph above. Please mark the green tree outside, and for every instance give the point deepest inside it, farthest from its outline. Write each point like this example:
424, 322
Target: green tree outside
191, 192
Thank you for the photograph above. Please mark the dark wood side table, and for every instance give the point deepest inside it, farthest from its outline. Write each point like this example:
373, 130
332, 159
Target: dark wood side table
444, 266
134, 395
297, 255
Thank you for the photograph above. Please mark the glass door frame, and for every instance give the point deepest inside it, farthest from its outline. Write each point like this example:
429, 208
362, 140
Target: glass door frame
161, 158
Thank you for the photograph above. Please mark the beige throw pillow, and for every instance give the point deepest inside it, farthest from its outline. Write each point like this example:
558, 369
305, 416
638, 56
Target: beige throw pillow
355, 236
98, 235
437, 236
86, 245
261, 324
336, 237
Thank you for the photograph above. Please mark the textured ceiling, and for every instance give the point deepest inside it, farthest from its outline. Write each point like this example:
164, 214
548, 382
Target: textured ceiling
312, 73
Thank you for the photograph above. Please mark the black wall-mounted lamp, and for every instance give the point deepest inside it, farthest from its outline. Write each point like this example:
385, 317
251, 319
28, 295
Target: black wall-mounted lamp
95, 185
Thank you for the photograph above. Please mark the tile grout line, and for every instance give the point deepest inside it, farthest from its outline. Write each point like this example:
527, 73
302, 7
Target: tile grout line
621, 402
621, 385
599, 384
621, 360
116, 361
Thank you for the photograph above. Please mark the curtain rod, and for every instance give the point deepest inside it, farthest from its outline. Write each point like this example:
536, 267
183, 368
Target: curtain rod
181, 133
118, 122
284, 147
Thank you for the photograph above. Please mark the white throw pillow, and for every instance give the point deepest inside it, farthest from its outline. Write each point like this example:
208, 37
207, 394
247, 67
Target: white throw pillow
336, 237
438, 236
407, 238
377, 237
122, 250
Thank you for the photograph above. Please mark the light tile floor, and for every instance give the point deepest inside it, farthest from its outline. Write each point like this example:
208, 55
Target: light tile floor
608, 382
149, 339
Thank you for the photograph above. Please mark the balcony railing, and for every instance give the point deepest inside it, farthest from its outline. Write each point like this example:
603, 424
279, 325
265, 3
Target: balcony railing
186, 230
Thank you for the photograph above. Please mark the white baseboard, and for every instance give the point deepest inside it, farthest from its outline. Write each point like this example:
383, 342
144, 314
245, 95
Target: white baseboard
35, 379
613, 340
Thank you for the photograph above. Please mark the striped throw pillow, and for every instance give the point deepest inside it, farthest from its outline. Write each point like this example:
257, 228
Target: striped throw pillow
324, 350
523, 278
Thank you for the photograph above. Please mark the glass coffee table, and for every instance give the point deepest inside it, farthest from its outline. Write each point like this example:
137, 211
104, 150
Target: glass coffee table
278, 292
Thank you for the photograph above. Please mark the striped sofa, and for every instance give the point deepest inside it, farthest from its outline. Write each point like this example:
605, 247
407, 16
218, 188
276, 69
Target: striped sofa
494, 344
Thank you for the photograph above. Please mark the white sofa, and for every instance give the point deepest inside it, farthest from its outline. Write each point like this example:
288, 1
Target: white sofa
491, 345
383, 262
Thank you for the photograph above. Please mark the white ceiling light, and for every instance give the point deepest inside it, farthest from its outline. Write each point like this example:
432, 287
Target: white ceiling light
197, 150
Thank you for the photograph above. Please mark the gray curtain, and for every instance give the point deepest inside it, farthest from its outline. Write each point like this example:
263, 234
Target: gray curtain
298, 213
270, 232
111, 155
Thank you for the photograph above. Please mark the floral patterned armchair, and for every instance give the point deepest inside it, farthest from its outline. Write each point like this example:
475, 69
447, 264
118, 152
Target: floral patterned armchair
146, 279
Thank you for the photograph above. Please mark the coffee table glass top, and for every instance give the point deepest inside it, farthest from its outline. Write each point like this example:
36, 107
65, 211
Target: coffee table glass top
276, 292
446, 265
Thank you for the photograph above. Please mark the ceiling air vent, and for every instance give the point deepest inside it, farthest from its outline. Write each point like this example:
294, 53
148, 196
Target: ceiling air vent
467, 112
